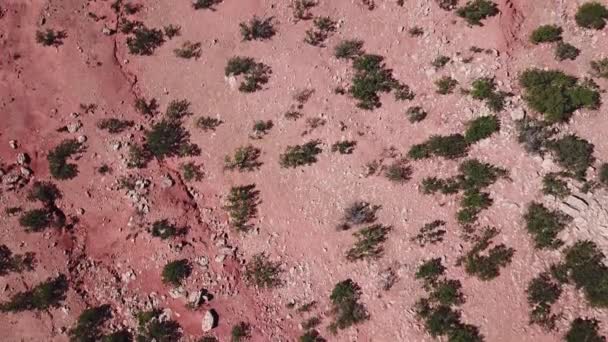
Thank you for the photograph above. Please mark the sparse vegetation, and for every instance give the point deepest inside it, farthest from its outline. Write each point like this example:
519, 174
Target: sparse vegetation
57, 158
415, 114
346, 307
207, 123
599, 68
260, 128
48, 294
446, 85
573, 153
565, 51
349, 49
603, 174
139, 157
176, 271
369, 243
440, 61
178, 109
582, 329
430, 233
205, 4
153, 328
50, 37
553, 185
164, 229
486, 267
145, 40
546, 34
254, 74
485, 89
399, 171
447, 5
245, 159
171, 31
168, 138
481, 128
477, 10
301, 9
542, 292
544, 225
359, 212
450, 147
534, 135
322, 29
114, 126
262, 272
15, 263
191, 172
189, 50
240, 332
300, 155
258, 29
344, 147
144, 107
592, 15
242, 206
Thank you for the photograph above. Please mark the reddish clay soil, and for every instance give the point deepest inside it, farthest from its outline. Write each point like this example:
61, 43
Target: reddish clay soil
110, 258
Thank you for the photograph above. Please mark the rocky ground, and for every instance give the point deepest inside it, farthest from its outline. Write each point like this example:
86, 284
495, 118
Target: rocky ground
110, 258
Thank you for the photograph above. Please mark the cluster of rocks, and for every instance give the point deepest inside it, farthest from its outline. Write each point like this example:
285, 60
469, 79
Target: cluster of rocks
18, 174
138, 194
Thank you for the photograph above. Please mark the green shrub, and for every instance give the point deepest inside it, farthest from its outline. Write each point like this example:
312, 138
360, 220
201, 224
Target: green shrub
344, 147
15, 263
89, 324
447, 292
258, 29
207, 123
446, 85
544, 225
240, 332
36, 220
323, 27
399, 171
565, 51
481, 128
48, 294
300, 155
440, 320
440, 61
477, 10
163, 229
145, 40
485, 89
262, 272
555, 94
178, 109
171, 31
349, 49
472, 203
245, 159
139, 157
603, 174
430, 233
118, 336
145, 107
189, 50
311, 336
205, 4
546, 34
542, 292
599, 68
45, 192
113, 125
50, 37
371, 78
487, 267
369, 243
260, 128
254, 74
585, 263
447, 5
311, 323
168, 138
346, 308
191, 172
592, 15
475, 174
431, 185
430, 271
176, 271
553, 185
451, 146
573, 153
415, 114
152, 328
242, 206
57, 158
301, 9
584, 330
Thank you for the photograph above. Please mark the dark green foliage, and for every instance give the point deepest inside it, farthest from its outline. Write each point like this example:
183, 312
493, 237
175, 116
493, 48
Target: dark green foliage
152, 328
399, 171
585, 263
176, 271
487, 267
430, 233
481, 128
128, 26
603, 174
245, 159
207, 123
242, 206
255, 74
555, 94
300, 155
447, 5
191, 172
113, 125
441, 320
447, 292
592, 15
565, 51
48, 294
403, 92
472, 203
262, 272
415, 114
599, 68
15, 263
544, 225
144, 107
257, 29
58, 164
205, 4
311, 336
344, 147
371, 78
477, 10
139, 157
475, 174
311, 323
553, 185
189, 50
446, 85
546, 34
573, 153
323, 27
50, 37
163, 229
349, 49
369, 243
171, 31
36, 220
301, 9
584, 330
240, 332
346, 308
118, 336
431, 185
430, 271
178, 109
485, 89
145, 40
440, 61
89, 324
451, 146
45, 192
542, 292
168, 138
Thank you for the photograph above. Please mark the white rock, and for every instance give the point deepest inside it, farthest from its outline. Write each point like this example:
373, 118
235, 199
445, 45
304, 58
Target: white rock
208, 322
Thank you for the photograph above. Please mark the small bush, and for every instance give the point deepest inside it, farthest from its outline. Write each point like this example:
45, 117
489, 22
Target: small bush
323, 28
300, 155
599, 68
349, 49
477, 10
584, 330
485, 89
592, 15
139, 157
476, 175
15, 263
189, 50
546, 34
172, 31
399, 171
369, 243
440, 61
245, 159
371, 77
430, 233
152, 328
255, 74
114, 126
430, 271
447, 5
574, 154
205, 4
487, 267
207, 123
191, 172
260, 128
301, 9
176, 271
542, 292
163, 229
89, 324
346, 308
144, 107
57, 158
145, 40
481, 128
311, 336
447, 292
169, 139
50, 37
45, 192
603, 174
262, 272
48, 294
242, 206
344, 147
36, 220
565, 51
240, 332
585, 263
553, 185
359, 212
450, 147
446, 85
415, 114
257, 29
544, 225
178, 109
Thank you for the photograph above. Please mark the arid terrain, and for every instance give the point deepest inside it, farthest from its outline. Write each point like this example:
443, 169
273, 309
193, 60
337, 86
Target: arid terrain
127, 142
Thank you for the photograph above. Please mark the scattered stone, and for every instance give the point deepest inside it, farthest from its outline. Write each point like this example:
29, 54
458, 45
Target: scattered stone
74, 126
167, 181
209, 320
12, 144
22, 159
82, 139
